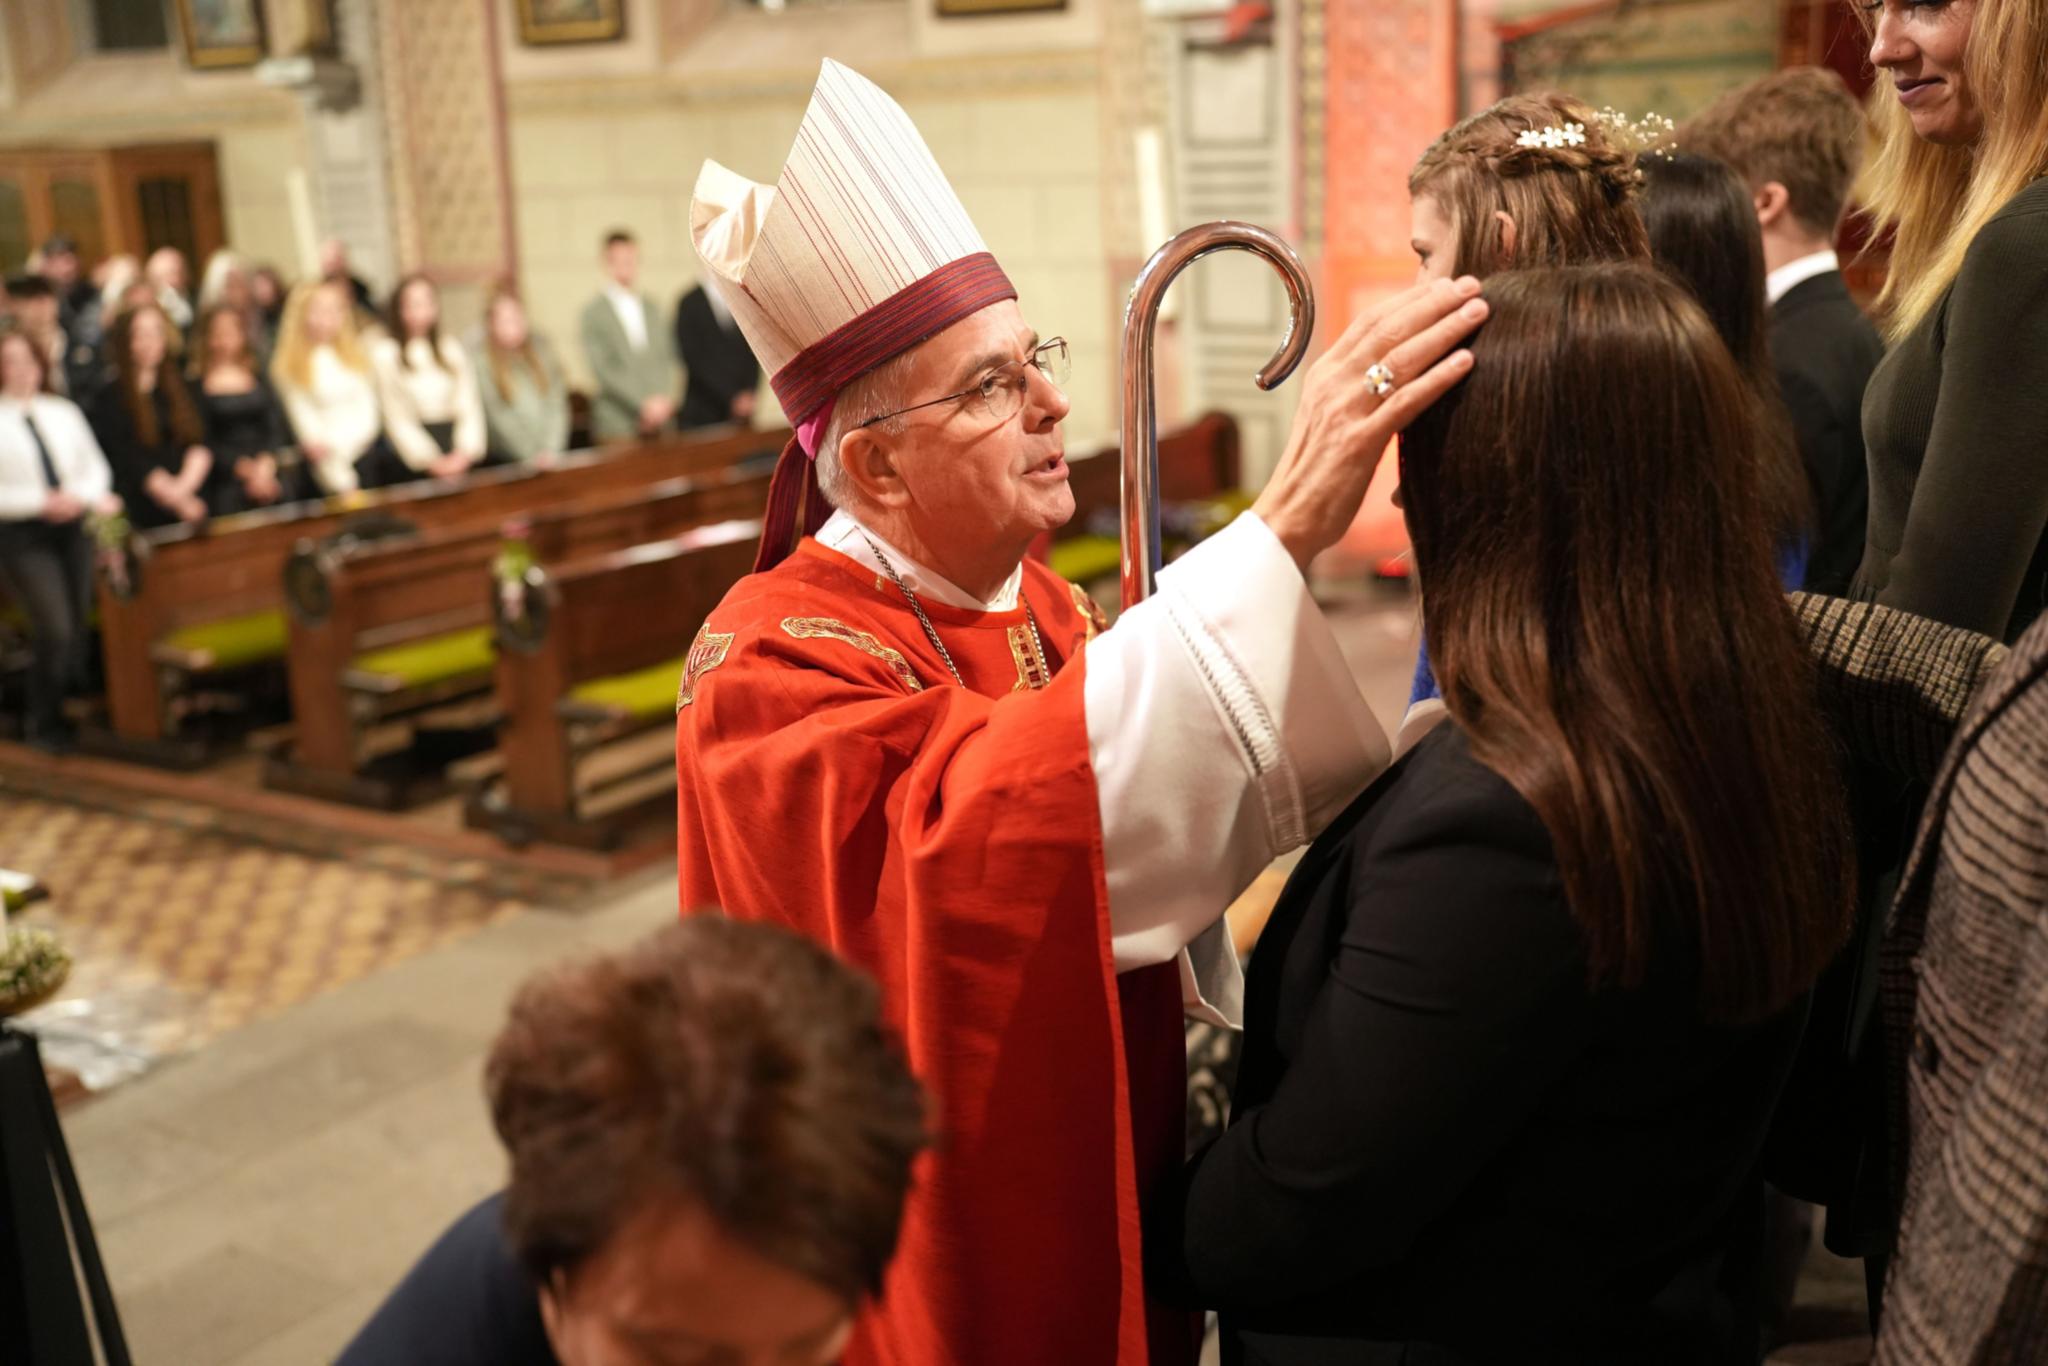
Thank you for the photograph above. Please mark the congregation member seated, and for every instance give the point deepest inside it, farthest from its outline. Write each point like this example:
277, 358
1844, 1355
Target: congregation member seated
720, 372
710, 1137
1795, 137
433, 416
169, 279
526, 401
1957, 416
626, 346
148, 425
52, 478
227, 283
1515, 1030
324, 377
245, 426
1703, 232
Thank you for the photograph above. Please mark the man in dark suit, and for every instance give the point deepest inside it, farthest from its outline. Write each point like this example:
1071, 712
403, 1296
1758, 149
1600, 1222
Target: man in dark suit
720, 371
1795, 138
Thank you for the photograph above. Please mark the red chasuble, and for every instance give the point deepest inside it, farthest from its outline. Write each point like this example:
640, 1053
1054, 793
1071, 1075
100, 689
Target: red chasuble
833, 778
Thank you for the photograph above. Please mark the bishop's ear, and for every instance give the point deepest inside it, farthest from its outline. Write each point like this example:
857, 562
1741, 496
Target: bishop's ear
872, 465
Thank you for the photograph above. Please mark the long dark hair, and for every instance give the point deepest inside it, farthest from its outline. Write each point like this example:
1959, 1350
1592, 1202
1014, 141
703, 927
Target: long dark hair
1703, 230
186, 428
1608, 630
395, 320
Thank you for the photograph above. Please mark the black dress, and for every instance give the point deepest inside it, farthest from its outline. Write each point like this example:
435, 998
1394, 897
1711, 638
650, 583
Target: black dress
1447, 1147
239, 426
133, 460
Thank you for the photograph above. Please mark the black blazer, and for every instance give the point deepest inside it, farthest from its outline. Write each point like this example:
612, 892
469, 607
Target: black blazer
1824, 349
718, 365
1447, 1147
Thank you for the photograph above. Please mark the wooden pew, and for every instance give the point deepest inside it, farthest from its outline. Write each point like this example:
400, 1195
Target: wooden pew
593, 655
386, 630
195, 600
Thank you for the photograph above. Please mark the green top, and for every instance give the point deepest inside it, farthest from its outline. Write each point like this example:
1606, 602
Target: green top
1955, 422
533, 416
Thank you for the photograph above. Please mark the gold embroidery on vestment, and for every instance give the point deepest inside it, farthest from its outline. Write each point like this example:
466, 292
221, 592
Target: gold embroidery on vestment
1091, 611
824, 628
1032, 672
707, 652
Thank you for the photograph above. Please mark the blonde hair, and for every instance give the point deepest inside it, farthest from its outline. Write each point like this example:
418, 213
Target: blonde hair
293, 362
1937, 199
1571, 205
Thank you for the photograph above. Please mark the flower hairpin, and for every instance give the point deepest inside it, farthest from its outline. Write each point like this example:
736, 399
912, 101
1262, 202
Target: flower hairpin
1553, 137
1650, 135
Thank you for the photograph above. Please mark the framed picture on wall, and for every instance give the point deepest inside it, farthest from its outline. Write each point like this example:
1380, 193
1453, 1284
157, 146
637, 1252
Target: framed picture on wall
960, 9
222, 33
544, 22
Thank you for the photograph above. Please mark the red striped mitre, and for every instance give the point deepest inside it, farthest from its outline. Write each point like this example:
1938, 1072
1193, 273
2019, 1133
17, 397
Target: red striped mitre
858, 252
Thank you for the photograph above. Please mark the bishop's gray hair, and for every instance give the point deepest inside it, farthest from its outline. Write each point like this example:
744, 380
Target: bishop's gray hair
880, 390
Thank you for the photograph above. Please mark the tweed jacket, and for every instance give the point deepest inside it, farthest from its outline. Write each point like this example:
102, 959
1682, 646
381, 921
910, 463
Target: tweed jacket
1964, 991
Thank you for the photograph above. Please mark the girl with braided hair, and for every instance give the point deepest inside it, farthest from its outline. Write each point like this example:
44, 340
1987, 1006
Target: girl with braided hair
1533, 180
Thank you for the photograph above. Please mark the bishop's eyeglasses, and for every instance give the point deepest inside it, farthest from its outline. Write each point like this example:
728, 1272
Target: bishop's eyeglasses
1000, 393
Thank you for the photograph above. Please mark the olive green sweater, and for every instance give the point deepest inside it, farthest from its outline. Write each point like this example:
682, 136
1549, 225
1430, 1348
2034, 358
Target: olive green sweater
1956, 425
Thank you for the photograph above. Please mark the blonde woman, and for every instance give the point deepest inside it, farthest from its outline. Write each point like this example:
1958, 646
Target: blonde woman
1956, 417
324, 378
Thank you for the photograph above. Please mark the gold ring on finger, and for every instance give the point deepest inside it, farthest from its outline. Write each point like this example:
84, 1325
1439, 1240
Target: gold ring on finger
1379, 379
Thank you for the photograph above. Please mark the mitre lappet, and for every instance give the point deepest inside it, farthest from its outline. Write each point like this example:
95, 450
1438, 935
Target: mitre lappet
858, 252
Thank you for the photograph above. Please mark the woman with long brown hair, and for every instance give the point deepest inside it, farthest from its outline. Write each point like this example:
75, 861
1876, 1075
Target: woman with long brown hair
526, 401
1704, 232
1515, 1030
245, 424
148, 425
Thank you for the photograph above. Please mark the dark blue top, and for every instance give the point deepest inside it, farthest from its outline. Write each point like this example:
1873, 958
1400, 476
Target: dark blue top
466, 1303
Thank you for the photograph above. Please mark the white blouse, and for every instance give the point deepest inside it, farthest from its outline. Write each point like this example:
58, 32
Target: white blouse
338, 410
426, 392
81, 467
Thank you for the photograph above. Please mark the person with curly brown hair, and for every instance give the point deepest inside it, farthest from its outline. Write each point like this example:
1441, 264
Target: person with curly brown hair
711, 1135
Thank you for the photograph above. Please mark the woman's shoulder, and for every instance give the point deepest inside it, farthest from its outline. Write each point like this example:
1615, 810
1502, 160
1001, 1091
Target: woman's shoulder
1440, 794
2015, 236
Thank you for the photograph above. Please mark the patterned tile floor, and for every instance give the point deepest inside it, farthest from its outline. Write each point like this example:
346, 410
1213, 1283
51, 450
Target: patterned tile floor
182, 927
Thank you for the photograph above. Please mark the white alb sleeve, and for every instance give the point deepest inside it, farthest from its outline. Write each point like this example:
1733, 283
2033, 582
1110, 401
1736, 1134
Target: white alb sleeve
1225, 729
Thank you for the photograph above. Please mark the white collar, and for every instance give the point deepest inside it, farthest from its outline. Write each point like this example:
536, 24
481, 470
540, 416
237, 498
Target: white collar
1781, 281
847, 536
617, 292
718, 309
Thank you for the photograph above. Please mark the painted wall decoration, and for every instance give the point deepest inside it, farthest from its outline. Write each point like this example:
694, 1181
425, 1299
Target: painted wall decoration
545, 22
221, 33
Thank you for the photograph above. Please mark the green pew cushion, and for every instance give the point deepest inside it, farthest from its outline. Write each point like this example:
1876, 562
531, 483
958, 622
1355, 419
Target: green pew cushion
229, 643
1081, 559
423, 663
641, 695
